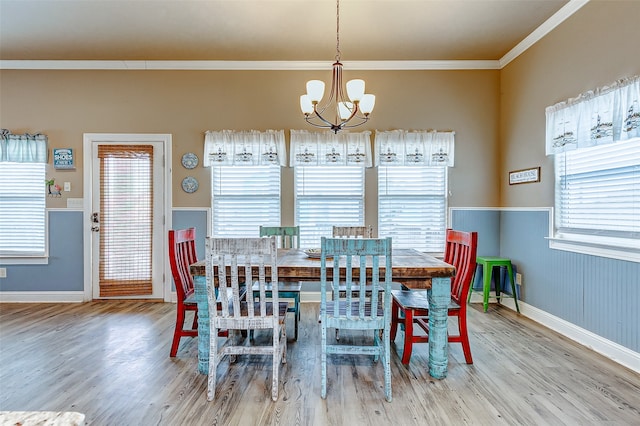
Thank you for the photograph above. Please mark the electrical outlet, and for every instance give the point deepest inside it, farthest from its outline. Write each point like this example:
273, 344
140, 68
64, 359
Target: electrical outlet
3, 272
518, 278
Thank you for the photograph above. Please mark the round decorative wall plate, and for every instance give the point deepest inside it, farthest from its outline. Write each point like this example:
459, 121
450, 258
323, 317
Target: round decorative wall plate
189, 160
189, 184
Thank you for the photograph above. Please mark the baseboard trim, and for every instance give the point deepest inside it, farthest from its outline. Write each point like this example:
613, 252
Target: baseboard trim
41, 296
612, 350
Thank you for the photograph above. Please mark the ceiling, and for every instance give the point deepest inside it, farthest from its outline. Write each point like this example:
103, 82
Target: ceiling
271, 30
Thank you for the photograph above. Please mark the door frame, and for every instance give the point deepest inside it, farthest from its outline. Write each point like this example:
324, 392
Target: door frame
167, 172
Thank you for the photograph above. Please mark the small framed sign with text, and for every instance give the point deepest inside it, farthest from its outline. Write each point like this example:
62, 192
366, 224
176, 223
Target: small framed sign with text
524, 176
63, 159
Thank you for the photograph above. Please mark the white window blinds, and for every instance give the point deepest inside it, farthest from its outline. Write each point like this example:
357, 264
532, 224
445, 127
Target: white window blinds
23, 161
327, 196
243, 198
126, 220
22, 209
598, 193
412, 206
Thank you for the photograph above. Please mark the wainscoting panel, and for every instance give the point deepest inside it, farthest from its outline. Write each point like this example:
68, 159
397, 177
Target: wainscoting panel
485, 222
64, 271
187, 218
598, 294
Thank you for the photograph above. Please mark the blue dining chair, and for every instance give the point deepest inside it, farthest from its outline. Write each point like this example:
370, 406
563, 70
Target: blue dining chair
355, 310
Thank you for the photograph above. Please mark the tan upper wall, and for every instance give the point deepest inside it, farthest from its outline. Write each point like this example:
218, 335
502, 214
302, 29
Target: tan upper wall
66, 104
594, 47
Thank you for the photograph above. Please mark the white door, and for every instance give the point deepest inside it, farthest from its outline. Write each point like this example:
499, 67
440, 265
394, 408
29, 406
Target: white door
126, 216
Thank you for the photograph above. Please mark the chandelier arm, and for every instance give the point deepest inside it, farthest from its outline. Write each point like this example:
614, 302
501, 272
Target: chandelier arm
321, 118
360, 123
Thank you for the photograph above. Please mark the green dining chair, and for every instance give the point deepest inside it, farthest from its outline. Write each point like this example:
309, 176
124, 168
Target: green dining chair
286, 237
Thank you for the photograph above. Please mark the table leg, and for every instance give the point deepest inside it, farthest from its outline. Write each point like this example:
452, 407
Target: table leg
439, 298
200, 290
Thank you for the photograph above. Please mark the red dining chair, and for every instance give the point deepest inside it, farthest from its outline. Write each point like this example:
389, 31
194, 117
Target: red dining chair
182, 253
411, 307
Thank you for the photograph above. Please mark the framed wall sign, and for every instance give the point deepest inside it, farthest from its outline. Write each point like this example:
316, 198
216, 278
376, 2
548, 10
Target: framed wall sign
524, 176
63, 159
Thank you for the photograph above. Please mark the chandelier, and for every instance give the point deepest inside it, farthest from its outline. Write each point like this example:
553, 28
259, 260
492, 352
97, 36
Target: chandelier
350, 111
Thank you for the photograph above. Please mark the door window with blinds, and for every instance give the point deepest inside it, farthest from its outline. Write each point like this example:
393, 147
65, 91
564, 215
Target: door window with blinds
412, 206
126, 219
598, 194
327, 196
243, 198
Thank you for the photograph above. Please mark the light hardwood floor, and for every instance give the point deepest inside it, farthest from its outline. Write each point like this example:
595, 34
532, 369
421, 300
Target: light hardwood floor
110, 361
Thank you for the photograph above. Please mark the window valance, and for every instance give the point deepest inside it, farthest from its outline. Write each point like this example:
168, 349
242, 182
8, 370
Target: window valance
25, 148
605, 115
244, 148
414, 148
327, 148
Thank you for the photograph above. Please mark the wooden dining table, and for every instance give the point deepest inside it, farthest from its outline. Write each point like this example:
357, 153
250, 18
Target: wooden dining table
413, 269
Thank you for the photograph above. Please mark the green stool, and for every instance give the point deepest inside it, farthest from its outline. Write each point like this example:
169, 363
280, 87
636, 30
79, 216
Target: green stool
488, 263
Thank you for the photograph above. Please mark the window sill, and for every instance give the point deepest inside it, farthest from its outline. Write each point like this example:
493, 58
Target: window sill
629, 254
39, 260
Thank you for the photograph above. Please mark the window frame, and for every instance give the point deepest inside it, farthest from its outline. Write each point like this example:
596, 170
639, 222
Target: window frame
627, 249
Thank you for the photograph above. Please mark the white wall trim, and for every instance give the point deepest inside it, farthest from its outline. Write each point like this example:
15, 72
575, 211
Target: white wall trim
566, 11
89, 139
247, 65
612, 350
41, 296
507, 209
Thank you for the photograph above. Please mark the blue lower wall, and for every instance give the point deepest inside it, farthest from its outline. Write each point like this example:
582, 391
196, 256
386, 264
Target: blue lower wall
598, 294
182, 219
65, 270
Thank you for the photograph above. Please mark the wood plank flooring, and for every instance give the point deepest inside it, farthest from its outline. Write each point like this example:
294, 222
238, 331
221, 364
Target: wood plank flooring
110, 361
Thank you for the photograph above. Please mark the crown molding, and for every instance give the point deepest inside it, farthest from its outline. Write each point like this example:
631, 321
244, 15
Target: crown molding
566, 11
245, 65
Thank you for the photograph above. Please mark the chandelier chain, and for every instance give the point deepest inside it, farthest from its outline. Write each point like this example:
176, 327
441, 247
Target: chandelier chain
338, 31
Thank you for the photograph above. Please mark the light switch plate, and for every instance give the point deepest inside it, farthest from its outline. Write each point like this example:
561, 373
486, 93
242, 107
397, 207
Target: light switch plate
67, 186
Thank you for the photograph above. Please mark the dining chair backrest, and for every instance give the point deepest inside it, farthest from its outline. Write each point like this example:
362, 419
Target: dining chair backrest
353, 231
288, 236
182, 253
229, 266
460, 251
353, 254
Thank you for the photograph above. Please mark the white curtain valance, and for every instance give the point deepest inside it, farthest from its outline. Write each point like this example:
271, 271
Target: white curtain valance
414, 148
327, 148
25, 148
605, 115
244, 148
